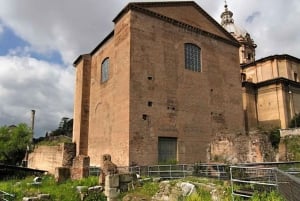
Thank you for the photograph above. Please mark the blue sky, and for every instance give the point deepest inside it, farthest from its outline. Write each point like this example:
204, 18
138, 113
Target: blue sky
11, 44
39, 40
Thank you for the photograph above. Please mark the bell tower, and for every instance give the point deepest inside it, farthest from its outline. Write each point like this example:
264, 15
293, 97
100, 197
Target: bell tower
247, 49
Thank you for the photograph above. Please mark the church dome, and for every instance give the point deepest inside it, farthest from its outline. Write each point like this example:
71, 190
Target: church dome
235, 30
228, 24
247, 48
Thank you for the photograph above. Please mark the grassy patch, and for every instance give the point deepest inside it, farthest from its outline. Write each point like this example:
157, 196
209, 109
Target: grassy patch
59, 192
293, 147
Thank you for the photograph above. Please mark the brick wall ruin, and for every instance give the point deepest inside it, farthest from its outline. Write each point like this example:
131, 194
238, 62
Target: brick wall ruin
241, 148
49, 157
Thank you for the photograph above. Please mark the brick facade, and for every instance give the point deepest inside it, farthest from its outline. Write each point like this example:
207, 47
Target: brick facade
150, 94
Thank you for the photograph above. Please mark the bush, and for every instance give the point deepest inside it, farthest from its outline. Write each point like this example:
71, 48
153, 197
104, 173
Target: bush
295, 122
274, 137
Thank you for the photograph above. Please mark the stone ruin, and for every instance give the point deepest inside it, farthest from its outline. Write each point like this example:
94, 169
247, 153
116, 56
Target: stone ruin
110, 178
115, 182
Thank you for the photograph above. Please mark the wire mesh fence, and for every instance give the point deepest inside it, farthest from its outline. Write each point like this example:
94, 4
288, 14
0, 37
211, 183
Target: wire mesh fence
247, 180
288, 185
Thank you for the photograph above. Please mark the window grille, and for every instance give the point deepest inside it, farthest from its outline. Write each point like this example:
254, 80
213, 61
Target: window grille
192, 57
105, 70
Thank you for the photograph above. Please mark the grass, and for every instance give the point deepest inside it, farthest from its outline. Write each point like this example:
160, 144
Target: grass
59, 192
293, 147
54, 141
67, 191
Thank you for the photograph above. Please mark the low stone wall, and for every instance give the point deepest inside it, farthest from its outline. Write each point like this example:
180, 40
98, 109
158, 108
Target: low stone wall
289, 132
49, 157
241, 148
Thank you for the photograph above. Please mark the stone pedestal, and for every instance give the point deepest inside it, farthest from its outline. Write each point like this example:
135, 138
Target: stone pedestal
62, 174
80, 168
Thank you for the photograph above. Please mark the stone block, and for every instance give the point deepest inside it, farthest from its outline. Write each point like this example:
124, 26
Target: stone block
81, 189
62, 174
44, 196
80, 168
125, 178
30, 198
111, 192
95, 189
112, 181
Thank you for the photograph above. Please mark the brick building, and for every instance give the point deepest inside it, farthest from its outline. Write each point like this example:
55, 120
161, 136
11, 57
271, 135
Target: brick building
159, 87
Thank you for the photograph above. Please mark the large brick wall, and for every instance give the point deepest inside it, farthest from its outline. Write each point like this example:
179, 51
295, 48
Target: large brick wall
189, 106
146, 59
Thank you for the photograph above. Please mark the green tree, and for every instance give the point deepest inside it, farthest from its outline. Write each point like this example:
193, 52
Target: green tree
65, 127
14, 141
295, 122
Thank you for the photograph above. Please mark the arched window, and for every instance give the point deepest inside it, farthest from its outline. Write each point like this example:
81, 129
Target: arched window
192, 57
105, 70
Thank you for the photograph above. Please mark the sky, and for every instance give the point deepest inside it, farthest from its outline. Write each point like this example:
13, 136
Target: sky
40, 39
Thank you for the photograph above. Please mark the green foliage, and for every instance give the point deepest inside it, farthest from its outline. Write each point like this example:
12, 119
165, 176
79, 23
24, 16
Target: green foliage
14, 141
202, 194
55, 141
293, 147
148, 189
95, 197
168, 162
295, 122
272, 196
65, 127
58, 192
274, 137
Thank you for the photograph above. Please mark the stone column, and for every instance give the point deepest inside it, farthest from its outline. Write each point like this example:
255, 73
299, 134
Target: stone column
80, 168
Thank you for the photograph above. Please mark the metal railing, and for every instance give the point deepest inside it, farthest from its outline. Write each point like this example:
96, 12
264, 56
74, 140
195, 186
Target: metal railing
247, 180
6, 196
288, 185
211, 170
170, 171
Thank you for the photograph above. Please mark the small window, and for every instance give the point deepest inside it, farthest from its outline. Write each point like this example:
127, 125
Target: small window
192, 57
249, 56
150, 103
145, 117
296, 77
243, 77
105, 70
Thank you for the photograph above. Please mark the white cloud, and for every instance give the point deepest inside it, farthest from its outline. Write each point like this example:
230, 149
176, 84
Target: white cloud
26, 84
73, 28
1, 28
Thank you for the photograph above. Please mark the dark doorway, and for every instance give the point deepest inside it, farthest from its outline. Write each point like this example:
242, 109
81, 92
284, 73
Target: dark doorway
167, 149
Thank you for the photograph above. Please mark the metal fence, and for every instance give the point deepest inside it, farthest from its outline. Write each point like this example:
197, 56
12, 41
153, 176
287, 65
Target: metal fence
219, 171
6, 196
170, 171
247, 180
288, 185
211, 170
